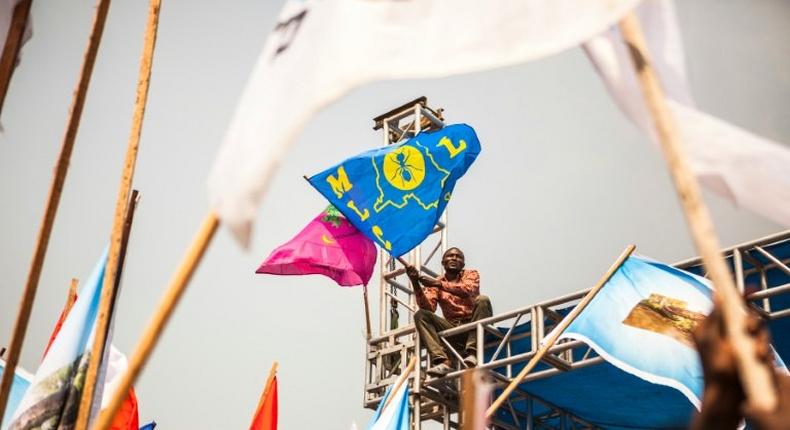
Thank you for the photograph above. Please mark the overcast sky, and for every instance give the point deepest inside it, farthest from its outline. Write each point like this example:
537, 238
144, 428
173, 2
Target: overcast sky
563, 184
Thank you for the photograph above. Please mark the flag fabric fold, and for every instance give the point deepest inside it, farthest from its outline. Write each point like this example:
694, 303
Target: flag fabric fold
54, 394
396, 415
730, 161
395, 195
329, 245
321, 50
642, 321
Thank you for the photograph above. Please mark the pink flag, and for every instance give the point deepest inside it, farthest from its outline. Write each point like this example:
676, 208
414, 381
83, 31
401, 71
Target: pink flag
329, 246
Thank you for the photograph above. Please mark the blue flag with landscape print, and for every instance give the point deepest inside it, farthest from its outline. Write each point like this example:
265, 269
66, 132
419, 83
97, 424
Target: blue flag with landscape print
396, 194
642, 321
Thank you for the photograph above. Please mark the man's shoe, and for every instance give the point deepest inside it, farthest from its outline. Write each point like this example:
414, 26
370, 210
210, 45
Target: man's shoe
470, 360
440, 369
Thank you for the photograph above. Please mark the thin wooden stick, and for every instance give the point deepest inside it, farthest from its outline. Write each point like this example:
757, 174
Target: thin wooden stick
266, 389
403, 378
555, 334
757, 379
368, 334
13, 42
113, 259
160, 318
55, 190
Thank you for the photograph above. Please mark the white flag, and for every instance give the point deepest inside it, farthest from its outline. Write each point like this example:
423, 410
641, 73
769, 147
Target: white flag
320, 50
745, 168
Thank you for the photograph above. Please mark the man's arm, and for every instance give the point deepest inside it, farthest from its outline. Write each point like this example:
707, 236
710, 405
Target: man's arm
426, 297
467, 286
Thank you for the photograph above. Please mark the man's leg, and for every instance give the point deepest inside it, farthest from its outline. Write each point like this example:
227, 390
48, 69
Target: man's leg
482, 310
428, 326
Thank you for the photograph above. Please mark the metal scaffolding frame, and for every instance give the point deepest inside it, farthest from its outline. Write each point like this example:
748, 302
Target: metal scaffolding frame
436, 399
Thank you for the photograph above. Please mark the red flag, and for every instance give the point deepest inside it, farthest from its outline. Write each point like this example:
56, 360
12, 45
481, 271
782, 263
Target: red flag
70, 299
266, 414
127, 416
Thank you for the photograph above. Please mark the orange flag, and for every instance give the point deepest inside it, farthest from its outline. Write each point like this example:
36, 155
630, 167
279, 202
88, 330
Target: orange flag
266, 414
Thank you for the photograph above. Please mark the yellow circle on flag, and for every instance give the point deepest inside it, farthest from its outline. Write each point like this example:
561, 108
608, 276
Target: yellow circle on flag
404, 168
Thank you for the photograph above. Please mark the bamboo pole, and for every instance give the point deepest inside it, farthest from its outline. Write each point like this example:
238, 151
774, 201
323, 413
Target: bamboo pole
266, 389
13, 43
55, 190
160, 318
555, 334
403, 378
127, 175
756, 377
368, 334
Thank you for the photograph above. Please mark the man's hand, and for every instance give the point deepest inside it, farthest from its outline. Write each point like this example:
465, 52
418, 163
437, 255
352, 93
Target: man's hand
724, 402
428, 281
413, 274
779, 418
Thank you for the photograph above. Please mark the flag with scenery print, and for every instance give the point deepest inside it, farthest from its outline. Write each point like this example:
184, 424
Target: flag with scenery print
322, 49
642, 321
329, 246
53, 398
396, 194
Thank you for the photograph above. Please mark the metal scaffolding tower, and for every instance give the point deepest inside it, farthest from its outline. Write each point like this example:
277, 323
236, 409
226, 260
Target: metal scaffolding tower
436, 399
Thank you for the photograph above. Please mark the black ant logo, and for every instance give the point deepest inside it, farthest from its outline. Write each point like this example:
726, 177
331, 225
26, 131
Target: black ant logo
404, 170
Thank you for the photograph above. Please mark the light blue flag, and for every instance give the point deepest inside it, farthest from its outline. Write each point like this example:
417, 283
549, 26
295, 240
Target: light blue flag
642, 322
52, 400
396, 416
395, 195
18, 387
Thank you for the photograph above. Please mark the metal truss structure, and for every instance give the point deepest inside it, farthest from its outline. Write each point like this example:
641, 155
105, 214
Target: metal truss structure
436, 399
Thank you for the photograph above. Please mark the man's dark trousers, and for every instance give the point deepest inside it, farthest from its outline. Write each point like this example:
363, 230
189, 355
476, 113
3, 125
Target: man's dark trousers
429, 325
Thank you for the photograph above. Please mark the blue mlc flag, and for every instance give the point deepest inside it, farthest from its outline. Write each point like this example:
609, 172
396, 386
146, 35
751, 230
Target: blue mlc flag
396, 195
641, 322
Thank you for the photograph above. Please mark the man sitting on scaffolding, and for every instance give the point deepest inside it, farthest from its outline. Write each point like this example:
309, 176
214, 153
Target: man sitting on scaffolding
458, 294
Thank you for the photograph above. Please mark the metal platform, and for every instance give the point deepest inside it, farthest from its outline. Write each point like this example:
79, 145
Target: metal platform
762, 264
760, 267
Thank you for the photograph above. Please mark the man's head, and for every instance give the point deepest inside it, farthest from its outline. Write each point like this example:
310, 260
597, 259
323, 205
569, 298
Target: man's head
453, 260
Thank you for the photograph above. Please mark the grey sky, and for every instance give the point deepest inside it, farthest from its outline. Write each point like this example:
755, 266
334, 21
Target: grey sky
564, 182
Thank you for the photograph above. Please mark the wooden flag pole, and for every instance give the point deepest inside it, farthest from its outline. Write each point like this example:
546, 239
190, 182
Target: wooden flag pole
266, 389
98, 352
368, 333
55, 190
403, 378
756, 377
113, 259
160, 318
555, 334
13, 42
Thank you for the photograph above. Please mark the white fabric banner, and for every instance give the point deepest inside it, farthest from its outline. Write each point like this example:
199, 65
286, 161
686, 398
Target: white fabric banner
747, 169
320, 50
